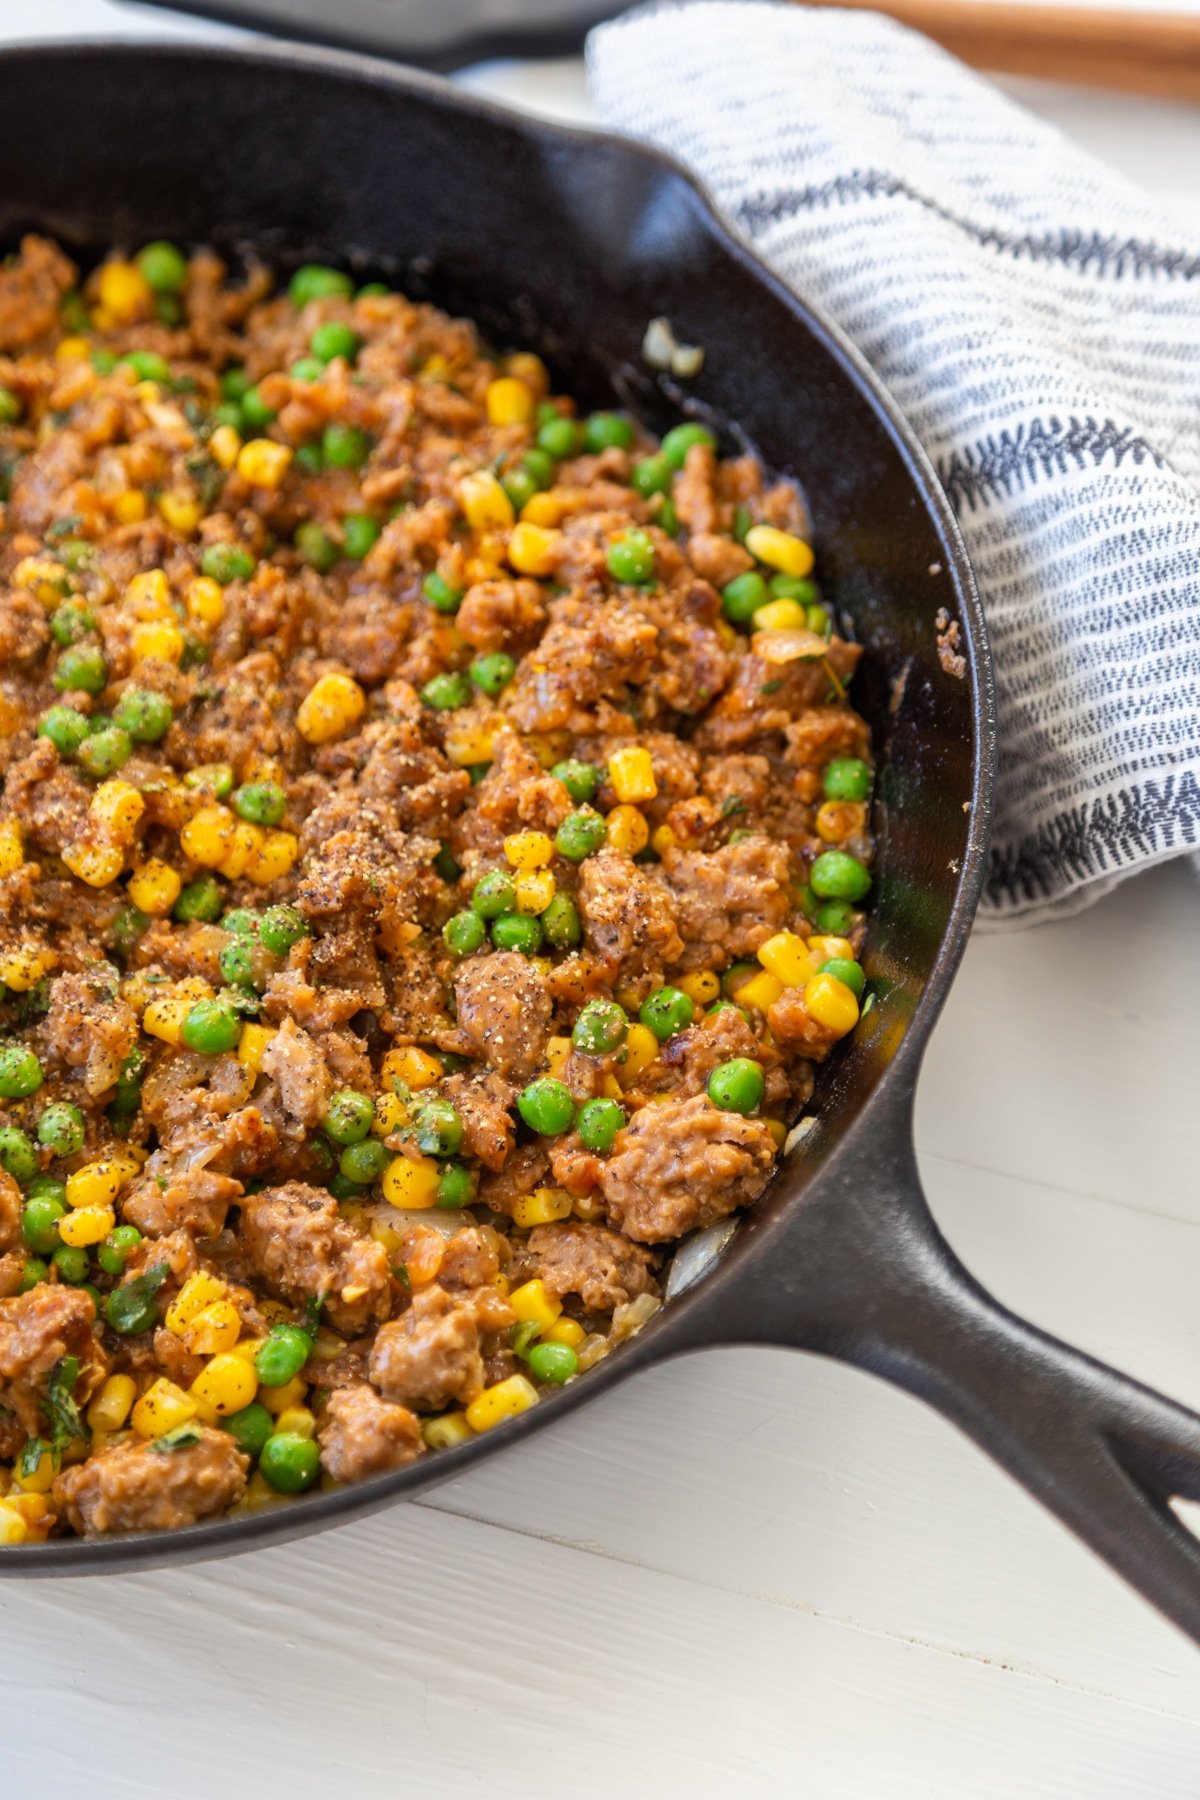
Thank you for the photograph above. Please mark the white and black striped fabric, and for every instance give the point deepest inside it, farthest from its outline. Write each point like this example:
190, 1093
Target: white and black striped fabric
1038, 320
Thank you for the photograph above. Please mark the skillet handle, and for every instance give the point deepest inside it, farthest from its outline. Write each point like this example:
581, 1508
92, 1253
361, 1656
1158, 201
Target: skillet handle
881, 1289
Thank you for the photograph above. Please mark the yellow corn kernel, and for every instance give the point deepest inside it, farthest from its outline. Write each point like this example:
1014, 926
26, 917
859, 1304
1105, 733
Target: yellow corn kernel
224, 1385
278, 1399
531, 370
110, 1406
148, 596
12, 846
297, 1419
180, 510
124, 292
778, 1131
762, 990
415, 1067
542, 1207
838, 820
484, 502
703, 986
224, 446
390, 1114
129, 508
246, 844
13, 1529
214, 1331
96, 1183
467, 745
89, 1225
198, 1293
154, 887
41, 577
533, 1305
544, 510
565, 1331
830, 1002
276, 856
411, 1182
248, 1348
557, 1051
631, 771
503, 1401
263, 463
251, 1045
788, 958
627, 830
22, 968
509, 402
207, 838
332, 705
534, 549
157, 641
781, 615
641, 1048
40, 1479
161, 1408
444, 1432
119, 806
528, 850
96, 864
663, 839
72, 349
535, 891
824, 949
164, 1016
781, 550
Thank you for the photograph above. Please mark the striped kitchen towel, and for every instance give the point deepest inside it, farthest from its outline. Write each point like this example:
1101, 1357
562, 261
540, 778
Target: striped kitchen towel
1038, 320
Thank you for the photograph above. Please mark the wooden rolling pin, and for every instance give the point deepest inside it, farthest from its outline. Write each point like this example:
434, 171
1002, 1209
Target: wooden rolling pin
1144, 53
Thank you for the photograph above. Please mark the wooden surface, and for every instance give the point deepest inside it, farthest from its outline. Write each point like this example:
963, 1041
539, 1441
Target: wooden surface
751, 1573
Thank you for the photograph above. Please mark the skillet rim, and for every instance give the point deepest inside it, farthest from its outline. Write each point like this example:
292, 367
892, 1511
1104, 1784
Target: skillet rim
669, 1333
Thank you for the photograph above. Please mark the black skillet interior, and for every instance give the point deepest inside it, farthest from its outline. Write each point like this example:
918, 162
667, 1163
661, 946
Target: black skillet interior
570, 243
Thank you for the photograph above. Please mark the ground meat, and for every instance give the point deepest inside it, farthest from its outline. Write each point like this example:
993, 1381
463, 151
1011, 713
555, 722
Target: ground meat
36, 1330
729, 901
628, 920
10, 1211
764, 698
485, 1105
363, 1435
32, 285
195, 1200
431, 1356
89, 1027
525, 1170
505, 1010
294, 1062
133, 1486
692, 1055
300, 1247
501, 615
470, 1259
602, 1267
682, 1165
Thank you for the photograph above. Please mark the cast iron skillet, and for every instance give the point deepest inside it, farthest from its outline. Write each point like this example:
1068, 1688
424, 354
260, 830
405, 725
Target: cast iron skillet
571, 242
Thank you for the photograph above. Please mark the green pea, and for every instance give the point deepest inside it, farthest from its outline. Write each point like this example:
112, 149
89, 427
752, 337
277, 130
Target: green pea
364, 1162
600, 1027
105, 751
547, 1106
666, 1012
20, 1073
307, 368
836, 875
315, 546
199, 901
237, 962
10, 407
680, 440
127, 1095
210, 1027
742, 597
520, 486
667, 516
349, 1116
345, 446
735, 975
598, 1124
440, 594
447, 865
74, 313
439, 1127
310, 458
653, 475
559, 437
373, 289
234, 382
317, 281
115, 1250
260, 802
342, 1188
251, 1427
333, 339
606, 431
491, 674
820, 620
81, 669
560, 922
61, 1129
39, 1224
255, 410
445, 692
554, 1363
226, 562
75, 554
282, 1354
72, 1263
144, 714
33, 1271
241, 921
580, 834
847, 778
65, 728
835, 918
464, 933
289, 1463
517, 931
793, 587
579, 778
493, 894
280, 927
163, 267
70, 622
539, 467
847, 972
630, 557
737, 1085
359, 532
456, 1187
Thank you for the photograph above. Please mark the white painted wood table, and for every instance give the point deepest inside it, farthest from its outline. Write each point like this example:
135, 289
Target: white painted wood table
751, 1572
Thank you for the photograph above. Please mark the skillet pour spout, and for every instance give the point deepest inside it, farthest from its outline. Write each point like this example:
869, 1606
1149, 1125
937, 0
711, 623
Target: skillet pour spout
570, 243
